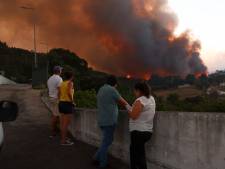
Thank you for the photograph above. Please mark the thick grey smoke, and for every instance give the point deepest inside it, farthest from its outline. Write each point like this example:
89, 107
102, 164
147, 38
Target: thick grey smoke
123, 37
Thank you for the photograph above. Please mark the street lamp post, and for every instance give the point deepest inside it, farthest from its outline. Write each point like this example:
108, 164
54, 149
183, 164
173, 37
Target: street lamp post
34, 35
35, 49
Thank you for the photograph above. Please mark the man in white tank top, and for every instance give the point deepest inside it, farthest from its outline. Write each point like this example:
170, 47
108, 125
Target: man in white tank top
53, 89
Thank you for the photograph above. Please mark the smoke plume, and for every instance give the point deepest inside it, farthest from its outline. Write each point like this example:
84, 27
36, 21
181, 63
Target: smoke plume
122, 37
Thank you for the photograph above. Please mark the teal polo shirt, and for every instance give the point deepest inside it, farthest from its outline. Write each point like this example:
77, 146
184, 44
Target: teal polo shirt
107, 102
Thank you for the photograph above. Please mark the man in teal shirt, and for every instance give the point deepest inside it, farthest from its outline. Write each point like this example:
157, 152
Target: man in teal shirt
108, 99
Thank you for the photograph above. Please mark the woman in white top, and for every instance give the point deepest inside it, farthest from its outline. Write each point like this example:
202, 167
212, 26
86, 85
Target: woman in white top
141, 124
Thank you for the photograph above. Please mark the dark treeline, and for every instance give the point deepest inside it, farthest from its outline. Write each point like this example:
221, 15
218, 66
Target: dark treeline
201, 82
168, 82
17, 65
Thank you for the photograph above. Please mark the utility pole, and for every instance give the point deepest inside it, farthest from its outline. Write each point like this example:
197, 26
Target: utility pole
34, 33
35, 48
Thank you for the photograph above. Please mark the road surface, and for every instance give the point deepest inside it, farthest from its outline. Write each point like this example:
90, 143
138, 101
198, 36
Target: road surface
27, 145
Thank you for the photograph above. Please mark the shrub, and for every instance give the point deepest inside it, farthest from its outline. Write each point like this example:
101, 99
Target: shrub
173, 98
86, 99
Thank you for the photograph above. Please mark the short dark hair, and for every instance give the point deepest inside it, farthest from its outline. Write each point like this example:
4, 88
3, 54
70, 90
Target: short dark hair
144, 88
111, 80
57, 69
68, 75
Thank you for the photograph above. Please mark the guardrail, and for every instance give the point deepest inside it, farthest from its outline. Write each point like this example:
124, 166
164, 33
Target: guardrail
181, 140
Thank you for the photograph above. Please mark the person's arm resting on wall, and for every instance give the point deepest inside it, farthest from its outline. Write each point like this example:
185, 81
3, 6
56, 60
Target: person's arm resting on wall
121, 101
136, 110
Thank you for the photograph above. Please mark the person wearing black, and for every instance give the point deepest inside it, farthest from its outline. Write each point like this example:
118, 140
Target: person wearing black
141, 124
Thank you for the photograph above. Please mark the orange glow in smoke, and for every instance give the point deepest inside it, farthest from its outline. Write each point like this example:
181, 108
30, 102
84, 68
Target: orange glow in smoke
128, 76
147, 76
198, 75
149, 7
88, 32
115, 43
171, 38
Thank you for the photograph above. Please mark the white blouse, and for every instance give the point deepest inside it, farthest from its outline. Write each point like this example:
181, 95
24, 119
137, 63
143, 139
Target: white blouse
145, 120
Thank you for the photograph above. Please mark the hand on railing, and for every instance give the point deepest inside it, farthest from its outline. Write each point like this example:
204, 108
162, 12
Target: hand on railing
128, 107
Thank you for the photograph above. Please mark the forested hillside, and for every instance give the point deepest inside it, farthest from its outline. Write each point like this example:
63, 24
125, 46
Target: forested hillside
171, 92
17, 64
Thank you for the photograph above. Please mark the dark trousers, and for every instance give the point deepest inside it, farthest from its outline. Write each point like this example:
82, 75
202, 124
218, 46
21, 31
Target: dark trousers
137, 149
107, 139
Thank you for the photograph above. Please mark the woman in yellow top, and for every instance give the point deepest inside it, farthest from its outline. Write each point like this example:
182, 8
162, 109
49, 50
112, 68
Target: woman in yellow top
66, 106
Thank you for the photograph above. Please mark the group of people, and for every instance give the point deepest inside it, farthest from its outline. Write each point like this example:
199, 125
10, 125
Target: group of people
141, 115
61, 103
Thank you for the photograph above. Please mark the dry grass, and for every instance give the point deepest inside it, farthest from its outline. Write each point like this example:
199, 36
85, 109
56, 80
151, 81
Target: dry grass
183, 93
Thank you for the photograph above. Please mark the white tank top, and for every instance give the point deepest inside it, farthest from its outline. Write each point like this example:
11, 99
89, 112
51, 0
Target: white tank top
145, 120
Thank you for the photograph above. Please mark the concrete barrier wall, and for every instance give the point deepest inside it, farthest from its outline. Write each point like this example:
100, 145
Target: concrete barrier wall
181, 140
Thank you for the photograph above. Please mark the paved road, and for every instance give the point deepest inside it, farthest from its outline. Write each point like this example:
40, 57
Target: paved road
27, 145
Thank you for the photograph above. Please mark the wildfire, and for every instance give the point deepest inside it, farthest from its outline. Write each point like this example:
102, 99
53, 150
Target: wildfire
128, 76
131, 38
144, 76
171, 38
198, 75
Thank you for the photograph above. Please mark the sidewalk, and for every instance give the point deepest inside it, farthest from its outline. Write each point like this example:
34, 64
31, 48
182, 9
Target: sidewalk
27, 145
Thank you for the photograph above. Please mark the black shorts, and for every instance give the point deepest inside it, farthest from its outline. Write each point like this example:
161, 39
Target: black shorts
66, 107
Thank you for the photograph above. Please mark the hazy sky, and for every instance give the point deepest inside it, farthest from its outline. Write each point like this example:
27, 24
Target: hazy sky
206, 20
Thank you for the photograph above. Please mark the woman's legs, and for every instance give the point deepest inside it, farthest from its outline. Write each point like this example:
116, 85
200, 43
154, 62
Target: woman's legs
137, 149
141, 162
133, 154
64, 124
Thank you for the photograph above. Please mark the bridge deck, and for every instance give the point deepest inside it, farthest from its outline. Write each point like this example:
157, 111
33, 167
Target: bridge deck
27, 145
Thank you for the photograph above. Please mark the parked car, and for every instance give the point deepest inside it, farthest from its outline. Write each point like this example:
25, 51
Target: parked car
8, 112
1, 136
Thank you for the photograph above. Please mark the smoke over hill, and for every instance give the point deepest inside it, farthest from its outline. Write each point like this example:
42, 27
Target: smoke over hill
123, 37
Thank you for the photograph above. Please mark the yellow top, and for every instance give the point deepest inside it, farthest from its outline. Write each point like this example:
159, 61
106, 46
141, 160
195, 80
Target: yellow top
64, 92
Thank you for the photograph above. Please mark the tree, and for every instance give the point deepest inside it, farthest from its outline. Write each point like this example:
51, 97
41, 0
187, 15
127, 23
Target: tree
173, 98
203, 82
190, 79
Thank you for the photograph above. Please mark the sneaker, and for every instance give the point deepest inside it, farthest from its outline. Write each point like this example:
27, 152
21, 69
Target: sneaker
52, 136
68, 139
67, 143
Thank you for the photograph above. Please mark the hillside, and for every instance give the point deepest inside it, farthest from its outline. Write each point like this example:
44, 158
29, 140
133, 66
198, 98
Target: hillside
183, 93
17, 64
